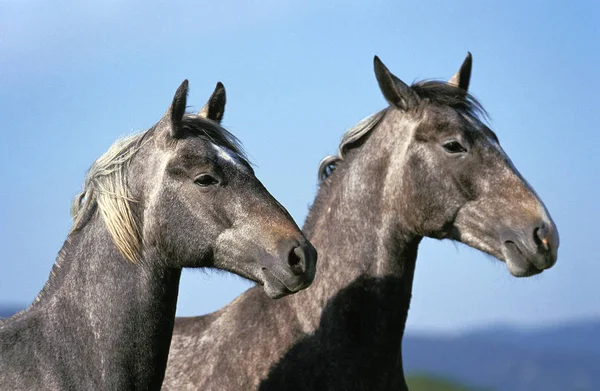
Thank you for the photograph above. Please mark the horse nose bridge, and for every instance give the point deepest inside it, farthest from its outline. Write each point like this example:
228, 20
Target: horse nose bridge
273, 228
515, 194
531, 207
284, 234
275, 221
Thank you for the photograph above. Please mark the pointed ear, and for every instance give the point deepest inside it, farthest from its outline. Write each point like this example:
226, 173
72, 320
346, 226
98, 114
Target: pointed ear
395, 91
177, 109
214, 109
462, 78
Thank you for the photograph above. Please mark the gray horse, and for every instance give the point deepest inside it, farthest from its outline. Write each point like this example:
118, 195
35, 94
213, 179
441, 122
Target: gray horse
180, 194
425, 166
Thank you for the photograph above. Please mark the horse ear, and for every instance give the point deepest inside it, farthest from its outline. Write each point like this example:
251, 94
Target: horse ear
214, 109
462, 78
177, 109
395, 91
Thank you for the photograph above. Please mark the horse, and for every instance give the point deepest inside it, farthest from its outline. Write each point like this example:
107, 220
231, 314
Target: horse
426, 166
180, 194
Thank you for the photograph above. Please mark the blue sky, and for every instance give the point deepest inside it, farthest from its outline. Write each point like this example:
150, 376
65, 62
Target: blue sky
74, 76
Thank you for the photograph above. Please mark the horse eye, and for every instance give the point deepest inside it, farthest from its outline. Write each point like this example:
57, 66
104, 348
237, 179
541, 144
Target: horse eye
205, 180
454, 147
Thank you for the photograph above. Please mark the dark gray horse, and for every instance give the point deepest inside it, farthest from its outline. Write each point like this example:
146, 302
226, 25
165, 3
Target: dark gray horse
425, 166
180, 194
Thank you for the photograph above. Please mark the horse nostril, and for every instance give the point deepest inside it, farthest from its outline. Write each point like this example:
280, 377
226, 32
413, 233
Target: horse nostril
540, 236
296, 260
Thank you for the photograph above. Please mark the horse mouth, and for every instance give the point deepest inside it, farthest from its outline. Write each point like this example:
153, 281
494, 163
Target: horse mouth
273, 286
517, 262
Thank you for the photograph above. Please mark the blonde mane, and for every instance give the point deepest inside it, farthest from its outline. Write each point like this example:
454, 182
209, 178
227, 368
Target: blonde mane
106, 187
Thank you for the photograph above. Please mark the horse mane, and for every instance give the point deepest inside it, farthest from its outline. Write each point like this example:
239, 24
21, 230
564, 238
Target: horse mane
349, 140
433, 91
443, 94
106, 184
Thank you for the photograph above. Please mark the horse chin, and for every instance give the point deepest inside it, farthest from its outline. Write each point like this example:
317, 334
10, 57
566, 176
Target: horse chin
516, 261
273, 287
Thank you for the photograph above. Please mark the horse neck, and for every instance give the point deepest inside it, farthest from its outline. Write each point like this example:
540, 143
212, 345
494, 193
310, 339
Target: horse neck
122, 312
362, 243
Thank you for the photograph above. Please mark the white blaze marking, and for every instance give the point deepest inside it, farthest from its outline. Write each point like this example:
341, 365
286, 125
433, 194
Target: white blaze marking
227, 155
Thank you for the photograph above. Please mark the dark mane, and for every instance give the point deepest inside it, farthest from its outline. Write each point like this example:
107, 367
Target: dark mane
433, 91
443, 94
213, 132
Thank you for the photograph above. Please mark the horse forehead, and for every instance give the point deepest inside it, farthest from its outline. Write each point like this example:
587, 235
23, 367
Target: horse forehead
191, 149
478, 130
222, 156
471, 126
227, 155
199, 149
436, 121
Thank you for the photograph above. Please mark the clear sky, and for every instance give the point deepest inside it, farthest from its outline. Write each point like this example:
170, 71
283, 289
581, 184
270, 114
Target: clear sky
75, 75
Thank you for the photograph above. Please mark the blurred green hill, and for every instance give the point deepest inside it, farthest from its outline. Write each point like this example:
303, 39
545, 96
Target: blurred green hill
425, 382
